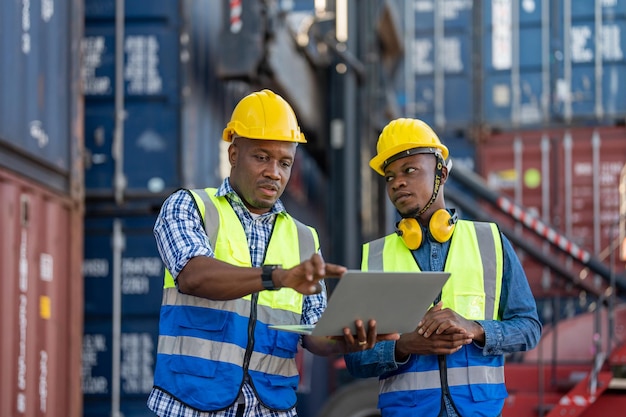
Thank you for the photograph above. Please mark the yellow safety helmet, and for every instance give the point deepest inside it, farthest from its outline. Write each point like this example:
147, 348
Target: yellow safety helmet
264, 115
403, 137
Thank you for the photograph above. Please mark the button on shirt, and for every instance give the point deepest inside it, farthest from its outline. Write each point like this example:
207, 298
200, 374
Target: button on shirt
180, 236
518, 329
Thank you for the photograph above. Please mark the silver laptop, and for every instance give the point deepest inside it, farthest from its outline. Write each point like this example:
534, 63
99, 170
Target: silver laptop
396, 300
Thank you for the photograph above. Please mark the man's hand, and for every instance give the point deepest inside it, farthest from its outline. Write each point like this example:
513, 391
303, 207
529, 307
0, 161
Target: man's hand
305, 276
363, 339
440, 332
348, 343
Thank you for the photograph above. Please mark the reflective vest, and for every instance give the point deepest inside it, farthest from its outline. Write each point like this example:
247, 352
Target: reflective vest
475, 382
206, 348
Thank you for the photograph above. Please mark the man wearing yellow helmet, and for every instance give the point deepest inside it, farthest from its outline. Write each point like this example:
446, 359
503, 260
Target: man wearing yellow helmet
237, 262
453, 363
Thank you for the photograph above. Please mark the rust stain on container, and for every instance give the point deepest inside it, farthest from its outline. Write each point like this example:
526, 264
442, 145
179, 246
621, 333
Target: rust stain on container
41, 301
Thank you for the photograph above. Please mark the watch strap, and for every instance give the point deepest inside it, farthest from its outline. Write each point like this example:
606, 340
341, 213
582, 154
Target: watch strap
266, 277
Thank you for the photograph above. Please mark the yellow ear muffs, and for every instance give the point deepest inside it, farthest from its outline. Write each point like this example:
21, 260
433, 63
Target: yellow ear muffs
441, 227
410, 232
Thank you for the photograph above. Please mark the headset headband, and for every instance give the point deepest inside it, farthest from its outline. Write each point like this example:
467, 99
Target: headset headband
409, 152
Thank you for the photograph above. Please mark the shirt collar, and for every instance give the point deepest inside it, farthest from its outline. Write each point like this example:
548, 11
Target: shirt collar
227, 190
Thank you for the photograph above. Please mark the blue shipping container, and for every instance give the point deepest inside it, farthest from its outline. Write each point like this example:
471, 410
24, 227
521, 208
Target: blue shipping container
539, 63
515, 62
590, 80
439, 62
39, 96
173, 102
138, 343
141, 276
141, 267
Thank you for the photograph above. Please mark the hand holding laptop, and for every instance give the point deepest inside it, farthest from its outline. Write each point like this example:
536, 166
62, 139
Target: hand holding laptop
365, 338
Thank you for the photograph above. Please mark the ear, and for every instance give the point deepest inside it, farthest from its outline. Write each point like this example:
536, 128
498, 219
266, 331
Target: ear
444, 174
233, 152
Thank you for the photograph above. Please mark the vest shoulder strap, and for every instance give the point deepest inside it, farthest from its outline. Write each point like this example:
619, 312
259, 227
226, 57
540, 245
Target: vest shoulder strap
208, 211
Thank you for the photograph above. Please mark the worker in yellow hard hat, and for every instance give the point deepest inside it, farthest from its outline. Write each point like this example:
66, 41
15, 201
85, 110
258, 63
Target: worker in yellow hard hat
235, 263
452, 364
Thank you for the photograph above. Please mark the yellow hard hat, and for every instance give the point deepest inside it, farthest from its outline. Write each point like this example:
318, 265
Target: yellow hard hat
404, 137
264, 115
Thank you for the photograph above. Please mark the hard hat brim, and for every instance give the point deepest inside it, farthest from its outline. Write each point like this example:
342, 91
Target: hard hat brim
377, 162
235, 128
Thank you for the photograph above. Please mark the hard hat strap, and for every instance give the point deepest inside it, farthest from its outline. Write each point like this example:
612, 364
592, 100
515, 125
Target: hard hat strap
436, 186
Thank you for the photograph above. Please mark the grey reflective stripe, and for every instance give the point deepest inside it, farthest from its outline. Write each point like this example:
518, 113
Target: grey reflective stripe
306, 241
200, 348
414, 381
275, 365
265, 314
211, 216
409, 382
229, 353
375, 257
487, 249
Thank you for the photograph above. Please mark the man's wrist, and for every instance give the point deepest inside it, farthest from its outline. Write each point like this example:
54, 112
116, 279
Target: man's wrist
267, 273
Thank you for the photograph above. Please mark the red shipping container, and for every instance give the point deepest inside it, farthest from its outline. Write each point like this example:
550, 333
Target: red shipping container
570, 179
41, 302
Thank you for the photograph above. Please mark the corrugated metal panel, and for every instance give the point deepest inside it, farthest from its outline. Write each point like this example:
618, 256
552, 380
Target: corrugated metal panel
41, 300
142, 269
533, 63
439, 62
515, 62
174, 103
141, 291
139, 340
591, 53
152, 91
39, 100
570, 179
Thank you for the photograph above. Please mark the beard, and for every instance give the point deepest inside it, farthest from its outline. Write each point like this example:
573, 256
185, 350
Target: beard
410, 214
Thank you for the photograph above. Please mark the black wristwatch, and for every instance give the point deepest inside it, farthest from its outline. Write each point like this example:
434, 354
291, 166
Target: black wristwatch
266, 276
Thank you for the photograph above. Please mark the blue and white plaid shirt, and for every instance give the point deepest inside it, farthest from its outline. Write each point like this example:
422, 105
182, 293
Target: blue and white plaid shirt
180, 236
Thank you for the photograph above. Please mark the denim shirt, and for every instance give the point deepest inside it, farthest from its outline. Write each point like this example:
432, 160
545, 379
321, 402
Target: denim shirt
518, 330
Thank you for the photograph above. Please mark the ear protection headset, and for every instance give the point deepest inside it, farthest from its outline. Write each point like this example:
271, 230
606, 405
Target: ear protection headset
440, 227
441, 223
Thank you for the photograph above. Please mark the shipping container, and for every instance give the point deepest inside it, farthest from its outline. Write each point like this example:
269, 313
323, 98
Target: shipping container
511, 64
590, 46
516, 63
40, 106
41, 299
173, 108
573, 181
129, 327
438, 62
41, 188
